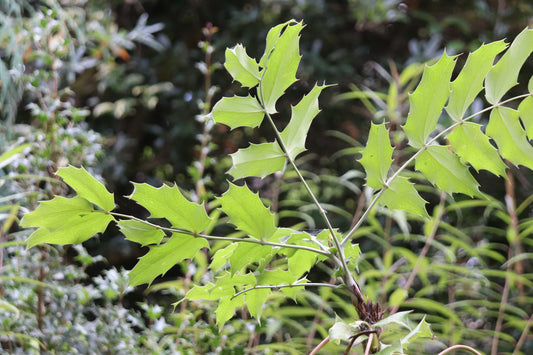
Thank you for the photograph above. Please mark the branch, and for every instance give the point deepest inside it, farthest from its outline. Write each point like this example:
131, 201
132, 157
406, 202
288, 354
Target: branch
352, 231
237, 240
316, 284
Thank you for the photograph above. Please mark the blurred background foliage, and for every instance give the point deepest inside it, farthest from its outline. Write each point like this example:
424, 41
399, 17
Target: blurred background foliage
123, 87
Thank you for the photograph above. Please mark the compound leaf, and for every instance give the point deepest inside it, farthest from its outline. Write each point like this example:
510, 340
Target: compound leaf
168, 202
469, 82
504, 74
161, 258
257, 160
444, 169
377, 156
525, 111
87, 187
140, 232
246, 211
241, 67
402, 195
303, 113
280, 64
427, 101
504, 127
474, 147
237, 111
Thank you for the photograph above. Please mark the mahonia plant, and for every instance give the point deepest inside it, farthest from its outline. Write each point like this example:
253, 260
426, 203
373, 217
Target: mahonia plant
244, 273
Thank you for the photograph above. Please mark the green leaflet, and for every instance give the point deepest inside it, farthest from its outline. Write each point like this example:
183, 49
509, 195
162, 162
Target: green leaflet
444, 169
140, 232
75, 230
257, 160
87, 187
224, 286
525, 110
427, 101
474, 147
64, 221
280, 277
377, 156
301, 261
469, 82
241, 67
246, 211
55, 213
226, 309
280, 64
302, 115
402, 195
168, 202
237, 111
248, 253
161, 258
255, 299
504, 74
504, 127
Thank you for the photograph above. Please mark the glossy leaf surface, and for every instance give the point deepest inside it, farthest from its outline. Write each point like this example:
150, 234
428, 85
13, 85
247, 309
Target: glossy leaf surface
241, 67
168, 202
238, 111
504, 74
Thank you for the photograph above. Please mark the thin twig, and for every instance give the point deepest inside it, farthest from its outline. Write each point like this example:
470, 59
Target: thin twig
523, 336
319, 346
228, 239
456, 347
316, 284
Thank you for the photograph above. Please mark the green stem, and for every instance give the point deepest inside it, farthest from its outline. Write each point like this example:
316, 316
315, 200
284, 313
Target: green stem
315, 284
228, 239
348, 278
350, 234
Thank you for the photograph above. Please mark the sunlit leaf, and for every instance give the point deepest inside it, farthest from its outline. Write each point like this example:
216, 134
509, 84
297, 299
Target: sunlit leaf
241, 67
87, 187
427, 101
504, 74
57, 212
474, 147
248, 253
445, 170
247, 212
168, 202
161, 258
303, 113
504, 127
255, 299
280, 65
238, 111
422, 330
75, 230
469, 82
257, 160
226, 309
377, 156
140, 232
402, 195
